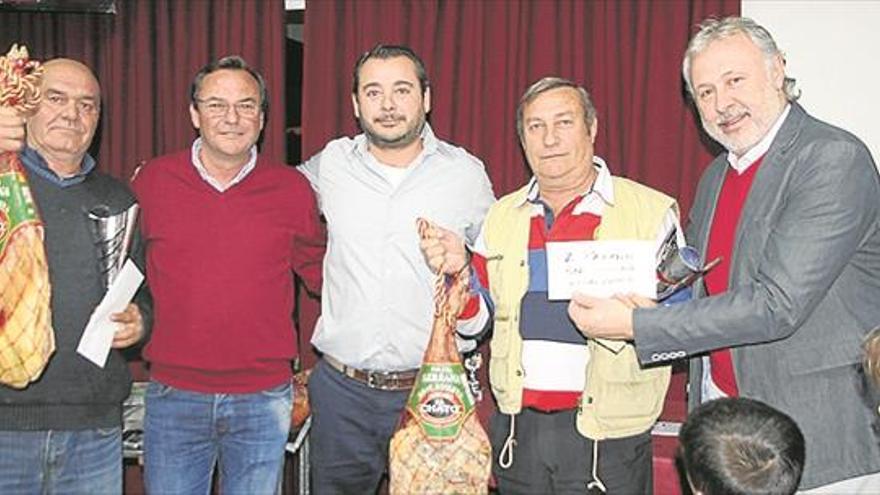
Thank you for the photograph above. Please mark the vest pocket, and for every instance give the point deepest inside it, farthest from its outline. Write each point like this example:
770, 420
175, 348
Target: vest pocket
500, 372
621, 398
500, 342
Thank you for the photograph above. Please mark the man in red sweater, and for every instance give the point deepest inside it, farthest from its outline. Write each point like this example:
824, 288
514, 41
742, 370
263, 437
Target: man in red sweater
225, 229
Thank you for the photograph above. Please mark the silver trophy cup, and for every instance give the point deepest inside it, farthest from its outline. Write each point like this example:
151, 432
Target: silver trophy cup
678, 267
112, 234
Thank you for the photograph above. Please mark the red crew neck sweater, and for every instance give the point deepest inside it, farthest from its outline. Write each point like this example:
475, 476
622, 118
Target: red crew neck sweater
219, 266
721, 239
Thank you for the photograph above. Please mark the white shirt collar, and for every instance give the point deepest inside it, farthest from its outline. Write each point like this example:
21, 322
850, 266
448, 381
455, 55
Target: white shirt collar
742, 163
203, 172
603, 186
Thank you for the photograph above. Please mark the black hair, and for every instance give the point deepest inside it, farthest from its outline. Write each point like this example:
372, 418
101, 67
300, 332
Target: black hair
384, 52
742, 446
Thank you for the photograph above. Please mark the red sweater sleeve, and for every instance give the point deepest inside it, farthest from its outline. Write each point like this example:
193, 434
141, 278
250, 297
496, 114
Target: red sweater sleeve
310, 244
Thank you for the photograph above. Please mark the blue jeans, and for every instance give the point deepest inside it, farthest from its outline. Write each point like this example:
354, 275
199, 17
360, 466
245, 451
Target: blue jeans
57, 461
187, 433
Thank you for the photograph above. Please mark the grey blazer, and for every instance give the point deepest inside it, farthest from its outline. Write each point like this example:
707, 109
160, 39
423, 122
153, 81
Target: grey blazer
804, 289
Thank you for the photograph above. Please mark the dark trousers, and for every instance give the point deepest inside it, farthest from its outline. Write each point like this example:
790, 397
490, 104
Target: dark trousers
551, 457
352, 426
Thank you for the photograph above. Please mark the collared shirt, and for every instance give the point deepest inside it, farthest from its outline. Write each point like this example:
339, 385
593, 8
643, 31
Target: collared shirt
395, 175
601, 193
38, 165
740, 164
554, 354
203, 172
377, 301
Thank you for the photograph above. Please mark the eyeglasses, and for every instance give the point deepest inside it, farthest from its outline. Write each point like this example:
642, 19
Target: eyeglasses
215, 107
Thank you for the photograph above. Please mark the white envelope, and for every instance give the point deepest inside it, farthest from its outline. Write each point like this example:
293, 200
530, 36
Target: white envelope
601, 268
98, 335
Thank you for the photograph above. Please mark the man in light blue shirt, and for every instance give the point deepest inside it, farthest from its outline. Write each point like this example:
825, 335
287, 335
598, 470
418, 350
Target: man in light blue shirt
377, 301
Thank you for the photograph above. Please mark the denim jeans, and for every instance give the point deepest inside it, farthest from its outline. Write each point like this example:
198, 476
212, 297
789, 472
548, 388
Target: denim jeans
187, 433
58, 461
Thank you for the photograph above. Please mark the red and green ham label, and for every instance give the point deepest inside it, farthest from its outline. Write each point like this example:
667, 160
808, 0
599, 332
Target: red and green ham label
441, 400
16, 204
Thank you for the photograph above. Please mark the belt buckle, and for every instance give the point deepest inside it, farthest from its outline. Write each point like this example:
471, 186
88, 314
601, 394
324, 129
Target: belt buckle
374, 381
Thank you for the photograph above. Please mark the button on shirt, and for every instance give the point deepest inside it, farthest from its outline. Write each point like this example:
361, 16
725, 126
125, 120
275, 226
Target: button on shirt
377, 301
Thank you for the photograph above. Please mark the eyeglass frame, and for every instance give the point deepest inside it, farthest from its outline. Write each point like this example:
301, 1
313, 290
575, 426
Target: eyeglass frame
223, 106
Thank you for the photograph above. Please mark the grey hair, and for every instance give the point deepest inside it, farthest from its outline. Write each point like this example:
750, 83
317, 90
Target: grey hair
714, 29
547, 84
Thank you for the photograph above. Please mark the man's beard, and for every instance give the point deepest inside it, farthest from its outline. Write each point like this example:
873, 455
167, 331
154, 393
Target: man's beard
735, 145
760, 119
412, 133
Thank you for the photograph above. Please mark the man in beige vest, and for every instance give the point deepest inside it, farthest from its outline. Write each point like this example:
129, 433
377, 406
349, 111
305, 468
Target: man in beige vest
575, 414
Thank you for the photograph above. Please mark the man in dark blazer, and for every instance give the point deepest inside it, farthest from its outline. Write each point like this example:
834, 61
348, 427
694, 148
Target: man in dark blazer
793, 210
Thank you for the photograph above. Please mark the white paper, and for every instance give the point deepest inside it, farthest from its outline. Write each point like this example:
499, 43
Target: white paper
98, 335
601, 268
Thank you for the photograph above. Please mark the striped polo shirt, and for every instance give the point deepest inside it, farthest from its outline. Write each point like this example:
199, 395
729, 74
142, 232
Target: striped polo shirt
554, 353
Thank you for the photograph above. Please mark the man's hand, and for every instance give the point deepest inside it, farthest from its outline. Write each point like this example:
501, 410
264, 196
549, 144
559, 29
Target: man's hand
634, 301
605, 318
12, 131
443, 250
131, 327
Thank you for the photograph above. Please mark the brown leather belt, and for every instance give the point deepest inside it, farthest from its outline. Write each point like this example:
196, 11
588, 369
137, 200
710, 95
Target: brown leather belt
381, 380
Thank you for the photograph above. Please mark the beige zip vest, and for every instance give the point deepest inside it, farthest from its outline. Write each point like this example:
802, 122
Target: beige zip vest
620, 398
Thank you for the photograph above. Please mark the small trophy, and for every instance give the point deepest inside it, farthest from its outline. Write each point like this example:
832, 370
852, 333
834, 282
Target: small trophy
112, 234
678, 266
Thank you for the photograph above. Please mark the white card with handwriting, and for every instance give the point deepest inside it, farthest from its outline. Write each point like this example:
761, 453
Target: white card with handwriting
601, 268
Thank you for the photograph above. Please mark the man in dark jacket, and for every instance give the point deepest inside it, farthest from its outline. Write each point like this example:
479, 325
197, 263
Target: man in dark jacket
62, 433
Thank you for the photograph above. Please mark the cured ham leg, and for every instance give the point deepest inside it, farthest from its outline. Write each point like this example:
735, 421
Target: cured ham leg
27, 339
440, 447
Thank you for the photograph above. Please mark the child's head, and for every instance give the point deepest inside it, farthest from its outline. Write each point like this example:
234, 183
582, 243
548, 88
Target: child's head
741, 446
